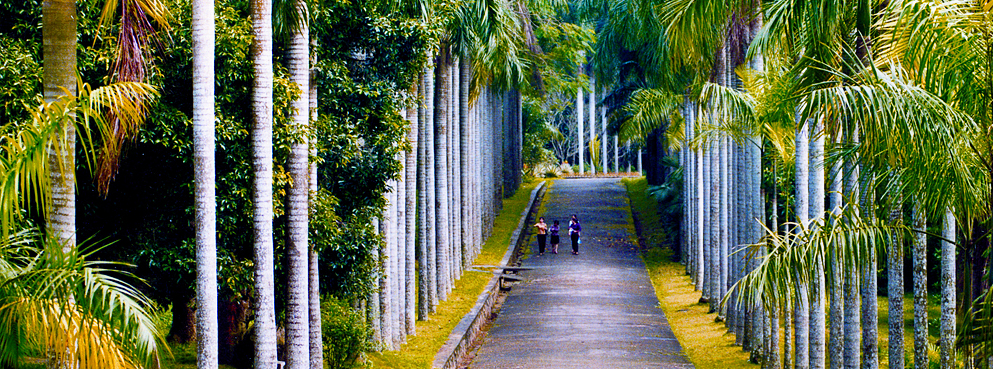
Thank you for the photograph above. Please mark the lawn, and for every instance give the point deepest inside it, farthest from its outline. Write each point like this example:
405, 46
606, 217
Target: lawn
706, 342
420, 349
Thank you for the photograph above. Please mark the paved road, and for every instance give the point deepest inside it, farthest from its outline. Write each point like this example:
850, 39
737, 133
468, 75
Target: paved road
594, 310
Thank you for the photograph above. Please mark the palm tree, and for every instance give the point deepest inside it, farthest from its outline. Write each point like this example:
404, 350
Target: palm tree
411, 231
441, 118
920, 288
50, 292
314, 283
946, 339
298, 200
265, 302
59, 34
579, 122
894, 281
204, 198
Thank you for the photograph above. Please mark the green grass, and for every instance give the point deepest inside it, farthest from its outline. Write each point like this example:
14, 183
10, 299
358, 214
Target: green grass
705, 342
420, 349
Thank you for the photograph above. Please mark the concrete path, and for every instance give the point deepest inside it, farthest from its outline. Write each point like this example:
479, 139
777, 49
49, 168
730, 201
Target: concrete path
594, 310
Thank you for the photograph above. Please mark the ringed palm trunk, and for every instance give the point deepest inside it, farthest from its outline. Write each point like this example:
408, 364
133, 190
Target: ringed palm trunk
920, 288
316, 341
853, 320
579, 123
894, 268
801, 317
59, 35
297, 213
441, 172
265, 302
429, 219
818, 314
465, 199
836, 343
411, 167
204, 197
946, 339
591, 108
870, 304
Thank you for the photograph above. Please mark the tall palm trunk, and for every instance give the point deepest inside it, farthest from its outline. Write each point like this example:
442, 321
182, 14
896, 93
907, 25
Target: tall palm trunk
316, 341
265, 302
818, 314
591, 108
801, 317
836, 343
441, 118
894, 282
853, 320
920, 288
297, 212
465, 190
870, 304
603, 137
429, 220
410, 227
946, 339
203, 165
579, 123
59, 36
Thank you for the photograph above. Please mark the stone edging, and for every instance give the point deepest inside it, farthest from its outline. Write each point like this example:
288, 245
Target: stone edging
461, 338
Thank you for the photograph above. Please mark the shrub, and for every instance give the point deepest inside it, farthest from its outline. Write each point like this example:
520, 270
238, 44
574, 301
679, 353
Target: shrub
345, 334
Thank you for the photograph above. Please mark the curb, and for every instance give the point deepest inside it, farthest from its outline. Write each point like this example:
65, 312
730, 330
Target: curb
468, 329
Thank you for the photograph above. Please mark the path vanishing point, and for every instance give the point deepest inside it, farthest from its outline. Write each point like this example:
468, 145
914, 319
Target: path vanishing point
594, 310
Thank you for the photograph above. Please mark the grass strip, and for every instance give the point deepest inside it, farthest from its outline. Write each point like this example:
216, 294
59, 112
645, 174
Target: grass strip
420, 349
705, 342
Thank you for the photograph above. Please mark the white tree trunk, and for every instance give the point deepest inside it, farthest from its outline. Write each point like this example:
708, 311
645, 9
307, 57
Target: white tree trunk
298, 209
442, 229
818, 326
920, 287
593, 128
801, 317
946, 339
894, 268
265, 328
316, 341
410, 221
579, 123
204, 174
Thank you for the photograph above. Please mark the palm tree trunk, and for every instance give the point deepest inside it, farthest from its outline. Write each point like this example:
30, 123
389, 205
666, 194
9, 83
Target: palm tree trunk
59, 39
203, 164
603, 137
410, 225
706, 190
464, 198
297, 212
713, 262
593, 128
579, 124
836, 343
265, 302
801, 317
818, 326
617, 168
853, 320
894, 283
316, 343
946, 339
870, 303
426, 229
920, 288
441, 116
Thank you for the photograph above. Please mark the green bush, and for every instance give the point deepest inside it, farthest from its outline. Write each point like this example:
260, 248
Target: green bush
345, 334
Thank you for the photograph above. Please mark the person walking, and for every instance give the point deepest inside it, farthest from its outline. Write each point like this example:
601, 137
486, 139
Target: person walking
574, 233
542, 230
554, 239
